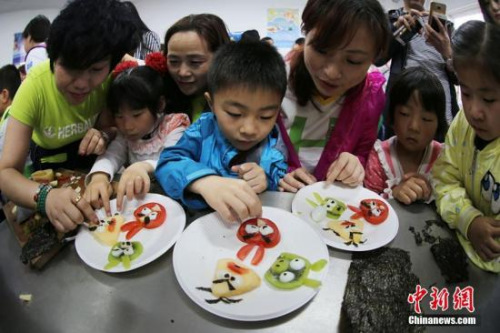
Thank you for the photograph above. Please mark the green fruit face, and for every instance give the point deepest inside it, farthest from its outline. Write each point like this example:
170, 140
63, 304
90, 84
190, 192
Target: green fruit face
334, 208
123, 252
289, 271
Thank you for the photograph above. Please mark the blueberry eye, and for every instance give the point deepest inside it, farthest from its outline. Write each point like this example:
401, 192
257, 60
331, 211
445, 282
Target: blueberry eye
286, 277
297, 264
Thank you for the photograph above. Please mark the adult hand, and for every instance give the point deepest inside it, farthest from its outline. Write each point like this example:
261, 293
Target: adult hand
483, 233
94, 142
233, 199
346, 169
439, 39
253, 174
413, 187
66, 209
295, 180
98, 191
408, 19
134, 181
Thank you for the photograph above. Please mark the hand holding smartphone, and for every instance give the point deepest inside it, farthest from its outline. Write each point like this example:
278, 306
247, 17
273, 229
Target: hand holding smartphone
438, 10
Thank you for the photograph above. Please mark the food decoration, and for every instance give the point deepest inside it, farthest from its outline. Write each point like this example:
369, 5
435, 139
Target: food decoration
325, 208
150, 215
374, 211
231, 278
259, 232
290, 271
43, 176
107, 230
124, 253
350, 231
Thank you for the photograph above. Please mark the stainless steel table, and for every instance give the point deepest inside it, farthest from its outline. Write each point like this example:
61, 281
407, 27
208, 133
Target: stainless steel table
69, 296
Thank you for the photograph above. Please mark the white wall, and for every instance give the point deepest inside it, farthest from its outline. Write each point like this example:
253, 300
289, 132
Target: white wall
16, 22
239, 15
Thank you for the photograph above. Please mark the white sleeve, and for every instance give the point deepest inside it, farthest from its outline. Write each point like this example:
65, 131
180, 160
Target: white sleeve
112, 160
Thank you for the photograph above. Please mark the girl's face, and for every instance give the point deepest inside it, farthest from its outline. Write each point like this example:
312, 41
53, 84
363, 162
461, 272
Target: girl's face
76, 85
188, 59
414, 126
494, 10
481, 101
336, 71
134, 124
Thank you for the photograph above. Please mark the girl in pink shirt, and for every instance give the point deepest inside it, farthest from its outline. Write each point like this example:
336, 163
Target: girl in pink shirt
400, 166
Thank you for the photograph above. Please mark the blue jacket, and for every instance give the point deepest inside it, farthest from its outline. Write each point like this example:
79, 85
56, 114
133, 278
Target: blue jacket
203, 150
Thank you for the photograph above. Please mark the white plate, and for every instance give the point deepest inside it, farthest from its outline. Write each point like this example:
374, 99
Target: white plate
209, 239
375, 236
155, 242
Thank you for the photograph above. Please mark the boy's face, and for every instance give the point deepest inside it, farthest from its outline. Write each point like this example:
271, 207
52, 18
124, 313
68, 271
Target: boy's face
481, 101
245, 116
76, 85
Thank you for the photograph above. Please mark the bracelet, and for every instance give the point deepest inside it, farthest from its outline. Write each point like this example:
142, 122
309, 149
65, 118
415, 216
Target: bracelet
40, 198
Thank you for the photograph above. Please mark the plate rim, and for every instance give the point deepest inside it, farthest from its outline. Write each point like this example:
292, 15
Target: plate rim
215, 311
152, 258
340, 246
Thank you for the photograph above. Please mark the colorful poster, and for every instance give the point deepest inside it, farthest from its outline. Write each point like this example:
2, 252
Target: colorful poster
283, 26
18, 51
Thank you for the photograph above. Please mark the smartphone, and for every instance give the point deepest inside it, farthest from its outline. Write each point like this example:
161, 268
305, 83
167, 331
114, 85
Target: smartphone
439, 10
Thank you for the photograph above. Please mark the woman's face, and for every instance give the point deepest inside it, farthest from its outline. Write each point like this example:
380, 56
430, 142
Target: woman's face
188, 59
494, 10
334, 72
75, 84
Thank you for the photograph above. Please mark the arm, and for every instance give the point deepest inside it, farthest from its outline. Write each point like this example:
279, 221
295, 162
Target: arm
452, 201
179, 166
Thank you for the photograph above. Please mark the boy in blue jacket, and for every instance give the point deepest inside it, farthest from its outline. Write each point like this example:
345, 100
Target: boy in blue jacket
235, 152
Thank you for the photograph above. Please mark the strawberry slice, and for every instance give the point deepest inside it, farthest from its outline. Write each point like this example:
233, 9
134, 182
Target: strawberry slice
259, 255
133, 231
129, 225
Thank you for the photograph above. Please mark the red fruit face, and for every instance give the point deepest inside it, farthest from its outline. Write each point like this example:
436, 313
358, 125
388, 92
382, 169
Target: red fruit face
151, 214
374, 211
259, 231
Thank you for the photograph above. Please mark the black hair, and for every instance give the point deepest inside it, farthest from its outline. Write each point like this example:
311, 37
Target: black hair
250, 36
88, 31
137, 18
138, 88
430, 91
38, 29
254, 65
484, 4
300, 41
10, 79
476, 43
336, 23
265, 39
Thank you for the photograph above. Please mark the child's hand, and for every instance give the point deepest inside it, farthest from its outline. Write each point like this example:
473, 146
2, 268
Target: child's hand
346, 169
233, 199
483, 232
98, 191
253, 174
295, 180
134, 181
413, 187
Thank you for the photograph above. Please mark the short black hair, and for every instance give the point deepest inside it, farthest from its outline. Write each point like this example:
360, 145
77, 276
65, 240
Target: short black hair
300, 41
88, 31
138, 88
253, 65
250, 36
431, 94
10, 79
38, 29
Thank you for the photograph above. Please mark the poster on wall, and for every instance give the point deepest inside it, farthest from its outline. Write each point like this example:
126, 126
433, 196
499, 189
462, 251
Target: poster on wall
283, 26
18, 51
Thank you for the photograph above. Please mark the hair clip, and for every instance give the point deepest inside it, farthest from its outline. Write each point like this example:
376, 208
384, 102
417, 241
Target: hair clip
123, 66
158, 62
